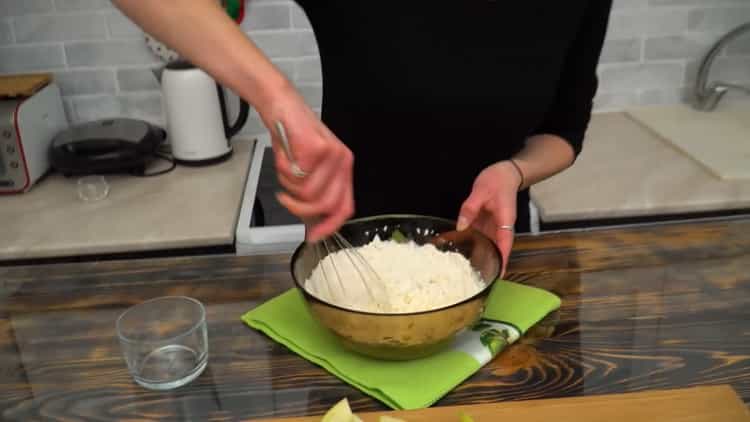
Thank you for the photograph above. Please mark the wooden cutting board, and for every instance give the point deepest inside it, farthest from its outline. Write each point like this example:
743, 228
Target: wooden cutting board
718, 140
13, 86
698, 404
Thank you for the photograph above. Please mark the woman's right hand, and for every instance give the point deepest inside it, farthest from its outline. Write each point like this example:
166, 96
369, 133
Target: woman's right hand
205, 35
324, 197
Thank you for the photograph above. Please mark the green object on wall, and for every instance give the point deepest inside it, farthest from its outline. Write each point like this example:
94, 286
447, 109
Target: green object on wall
233, 8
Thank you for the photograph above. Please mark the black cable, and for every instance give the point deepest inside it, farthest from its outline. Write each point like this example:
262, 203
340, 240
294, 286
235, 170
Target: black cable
164, 157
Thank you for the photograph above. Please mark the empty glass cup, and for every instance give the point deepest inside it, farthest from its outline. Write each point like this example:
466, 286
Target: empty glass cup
92, 188
164, 341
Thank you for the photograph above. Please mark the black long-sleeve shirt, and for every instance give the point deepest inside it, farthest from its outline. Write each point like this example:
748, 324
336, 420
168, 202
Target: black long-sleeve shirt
427, 94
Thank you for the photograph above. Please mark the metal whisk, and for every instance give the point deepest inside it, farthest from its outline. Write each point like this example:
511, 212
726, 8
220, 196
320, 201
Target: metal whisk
337, 245
342, 254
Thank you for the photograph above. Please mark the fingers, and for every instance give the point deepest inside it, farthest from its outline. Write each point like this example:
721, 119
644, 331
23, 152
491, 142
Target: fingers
318, 180
505, 244
284, 166
321, 228
504, 216
326, 214
495, 219
344, 211
470, 209
324, 200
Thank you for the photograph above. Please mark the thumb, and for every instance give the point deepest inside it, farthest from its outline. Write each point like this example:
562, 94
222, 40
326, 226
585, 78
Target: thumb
470, 209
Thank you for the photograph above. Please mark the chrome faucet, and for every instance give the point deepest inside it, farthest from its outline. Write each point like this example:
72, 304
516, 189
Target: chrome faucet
707, 96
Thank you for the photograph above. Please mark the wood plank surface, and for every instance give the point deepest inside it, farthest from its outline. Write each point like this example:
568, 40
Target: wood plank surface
25, 85
646, 308
699, 404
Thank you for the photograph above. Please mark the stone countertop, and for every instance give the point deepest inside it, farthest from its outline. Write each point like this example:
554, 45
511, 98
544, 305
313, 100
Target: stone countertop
625, 170
187, 207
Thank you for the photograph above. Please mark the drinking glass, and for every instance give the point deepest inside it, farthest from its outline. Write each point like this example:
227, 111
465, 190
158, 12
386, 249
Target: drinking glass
164, 341
92, 188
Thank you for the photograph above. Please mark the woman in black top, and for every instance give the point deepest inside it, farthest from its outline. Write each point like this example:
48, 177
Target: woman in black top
451, 108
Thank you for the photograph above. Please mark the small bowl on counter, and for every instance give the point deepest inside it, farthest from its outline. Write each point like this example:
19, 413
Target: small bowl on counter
402, 336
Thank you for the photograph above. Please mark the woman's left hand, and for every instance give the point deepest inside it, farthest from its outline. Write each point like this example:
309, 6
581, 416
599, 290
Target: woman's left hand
491, 206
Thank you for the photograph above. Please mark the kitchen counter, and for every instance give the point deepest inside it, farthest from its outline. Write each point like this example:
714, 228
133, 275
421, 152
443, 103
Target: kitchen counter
187, 207
643, 308
625, 170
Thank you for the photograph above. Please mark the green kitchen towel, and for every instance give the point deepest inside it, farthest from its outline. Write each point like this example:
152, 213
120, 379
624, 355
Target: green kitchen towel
511, 310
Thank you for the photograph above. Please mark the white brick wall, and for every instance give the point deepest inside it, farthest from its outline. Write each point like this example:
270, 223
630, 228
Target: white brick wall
104, 68
653, 49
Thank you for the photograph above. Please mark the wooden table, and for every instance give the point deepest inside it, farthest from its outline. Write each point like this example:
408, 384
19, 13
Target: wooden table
643, 308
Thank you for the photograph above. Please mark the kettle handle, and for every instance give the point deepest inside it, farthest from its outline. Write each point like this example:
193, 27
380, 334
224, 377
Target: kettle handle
232, 130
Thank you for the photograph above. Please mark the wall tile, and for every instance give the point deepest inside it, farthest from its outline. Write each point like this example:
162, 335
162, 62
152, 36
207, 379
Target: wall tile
606, 101
286, 66
267, 16
97, 107
120, 26
663, 21
31, 58
629, 4
146, 107
625, 50
731, 69
78, 82
24, 7
718, 19
41, 28
6, 32
78, 5
641, 76
678, 47
109, 53
650, 55
287, 44
299, 18
137, 79
664, 96
313, 94
695, 2
137, 106
739, 46
308, 70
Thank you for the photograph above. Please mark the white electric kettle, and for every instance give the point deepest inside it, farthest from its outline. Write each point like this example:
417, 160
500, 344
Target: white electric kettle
197, 123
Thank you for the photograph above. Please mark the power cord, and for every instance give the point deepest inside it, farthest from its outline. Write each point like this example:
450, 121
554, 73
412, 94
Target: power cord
163, 153
165, 157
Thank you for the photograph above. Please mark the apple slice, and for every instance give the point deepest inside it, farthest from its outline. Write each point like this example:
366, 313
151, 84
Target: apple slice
466, 418
390, 419
340, 412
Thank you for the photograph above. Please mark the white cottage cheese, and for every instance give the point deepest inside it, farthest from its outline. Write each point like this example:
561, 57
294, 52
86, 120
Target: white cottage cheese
414, 277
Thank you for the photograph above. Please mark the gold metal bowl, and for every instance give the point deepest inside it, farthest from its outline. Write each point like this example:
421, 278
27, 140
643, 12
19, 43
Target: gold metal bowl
403, 336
